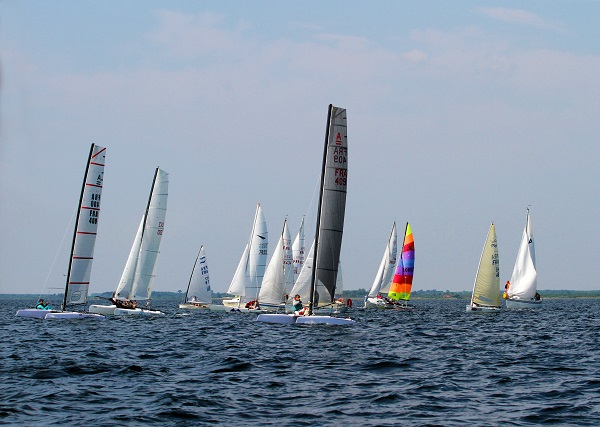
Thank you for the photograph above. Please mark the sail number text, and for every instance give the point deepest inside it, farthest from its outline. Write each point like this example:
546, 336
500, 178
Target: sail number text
161, 226
94, 205
341, 176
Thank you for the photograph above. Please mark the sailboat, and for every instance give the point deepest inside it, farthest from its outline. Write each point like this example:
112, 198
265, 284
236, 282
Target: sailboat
486, 290
330, 224
399, 293
82, 247
198, 293
138, 276
522, 289
383, 278
247, 280
278, 278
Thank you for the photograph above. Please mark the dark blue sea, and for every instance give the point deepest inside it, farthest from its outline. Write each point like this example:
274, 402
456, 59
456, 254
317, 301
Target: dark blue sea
435, 365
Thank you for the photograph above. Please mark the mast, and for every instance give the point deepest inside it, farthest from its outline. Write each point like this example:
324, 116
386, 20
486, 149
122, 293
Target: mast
313, 286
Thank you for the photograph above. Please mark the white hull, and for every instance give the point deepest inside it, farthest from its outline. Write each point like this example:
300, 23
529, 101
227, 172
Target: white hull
34, 313
482, 309
106, 310
234, 302
137, 312
313, 320
194, 306
53, 314
381, 303
519, 303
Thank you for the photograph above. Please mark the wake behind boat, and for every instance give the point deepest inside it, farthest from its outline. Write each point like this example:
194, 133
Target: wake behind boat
82, 247
330, 225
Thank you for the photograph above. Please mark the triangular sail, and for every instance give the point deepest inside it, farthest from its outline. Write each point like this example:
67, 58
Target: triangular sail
199, 284
486, 290
84, 236
298, 251
403, 277
383, 277
138, 275
332, 206
248, 277
273, 288
523, 282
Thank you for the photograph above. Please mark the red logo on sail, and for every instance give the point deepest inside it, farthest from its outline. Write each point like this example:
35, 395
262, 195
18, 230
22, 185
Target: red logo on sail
338, 139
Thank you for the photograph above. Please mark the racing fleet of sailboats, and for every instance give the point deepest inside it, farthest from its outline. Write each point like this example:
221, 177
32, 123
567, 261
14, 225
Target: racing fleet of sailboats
291, 274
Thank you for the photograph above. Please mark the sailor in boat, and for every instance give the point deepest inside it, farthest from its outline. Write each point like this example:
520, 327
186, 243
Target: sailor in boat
41, 305
505, 295
252, 305
537, 296
298, 307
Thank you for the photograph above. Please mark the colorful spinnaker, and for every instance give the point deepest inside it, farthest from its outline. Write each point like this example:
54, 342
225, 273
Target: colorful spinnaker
403, 277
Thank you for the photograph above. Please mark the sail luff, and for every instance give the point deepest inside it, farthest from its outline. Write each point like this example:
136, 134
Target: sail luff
272, 290
85, 230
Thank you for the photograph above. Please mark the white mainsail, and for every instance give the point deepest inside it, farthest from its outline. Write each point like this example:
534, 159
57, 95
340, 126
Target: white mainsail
138, 275
298, 251
248, 277
277, 275
199, 285
486, 290
523, 282
86, 228
385, 272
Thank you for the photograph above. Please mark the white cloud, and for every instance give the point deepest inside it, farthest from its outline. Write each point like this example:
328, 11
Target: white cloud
520, 16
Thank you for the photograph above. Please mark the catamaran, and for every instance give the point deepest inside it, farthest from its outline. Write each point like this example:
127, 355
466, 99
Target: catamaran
82, 247
485, 297
248, 277
198, 293
401, 286
522, 289
383, 278
330, 225
138, 276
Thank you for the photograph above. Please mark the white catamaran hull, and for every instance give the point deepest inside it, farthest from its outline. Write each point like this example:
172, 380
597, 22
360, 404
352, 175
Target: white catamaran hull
521, 303
102, 309
291, 318
194, 306
137, 312
54, 314
482, 309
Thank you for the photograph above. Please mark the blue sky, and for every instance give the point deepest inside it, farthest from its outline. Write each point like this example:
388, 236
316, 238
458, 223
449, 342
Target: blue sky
459, 114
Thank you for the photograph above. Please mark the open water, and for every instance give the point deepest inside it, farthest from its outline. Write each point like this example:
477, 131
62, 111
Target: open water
435, 365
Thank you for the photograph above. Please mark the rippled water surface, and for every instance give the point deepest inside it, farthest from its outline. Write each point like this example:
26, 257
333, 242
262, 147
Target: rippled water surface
435, 365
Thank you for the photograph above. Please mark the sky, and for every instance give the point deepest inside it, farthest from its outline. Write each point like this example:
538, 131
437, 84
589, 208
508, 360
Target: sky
460, 114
